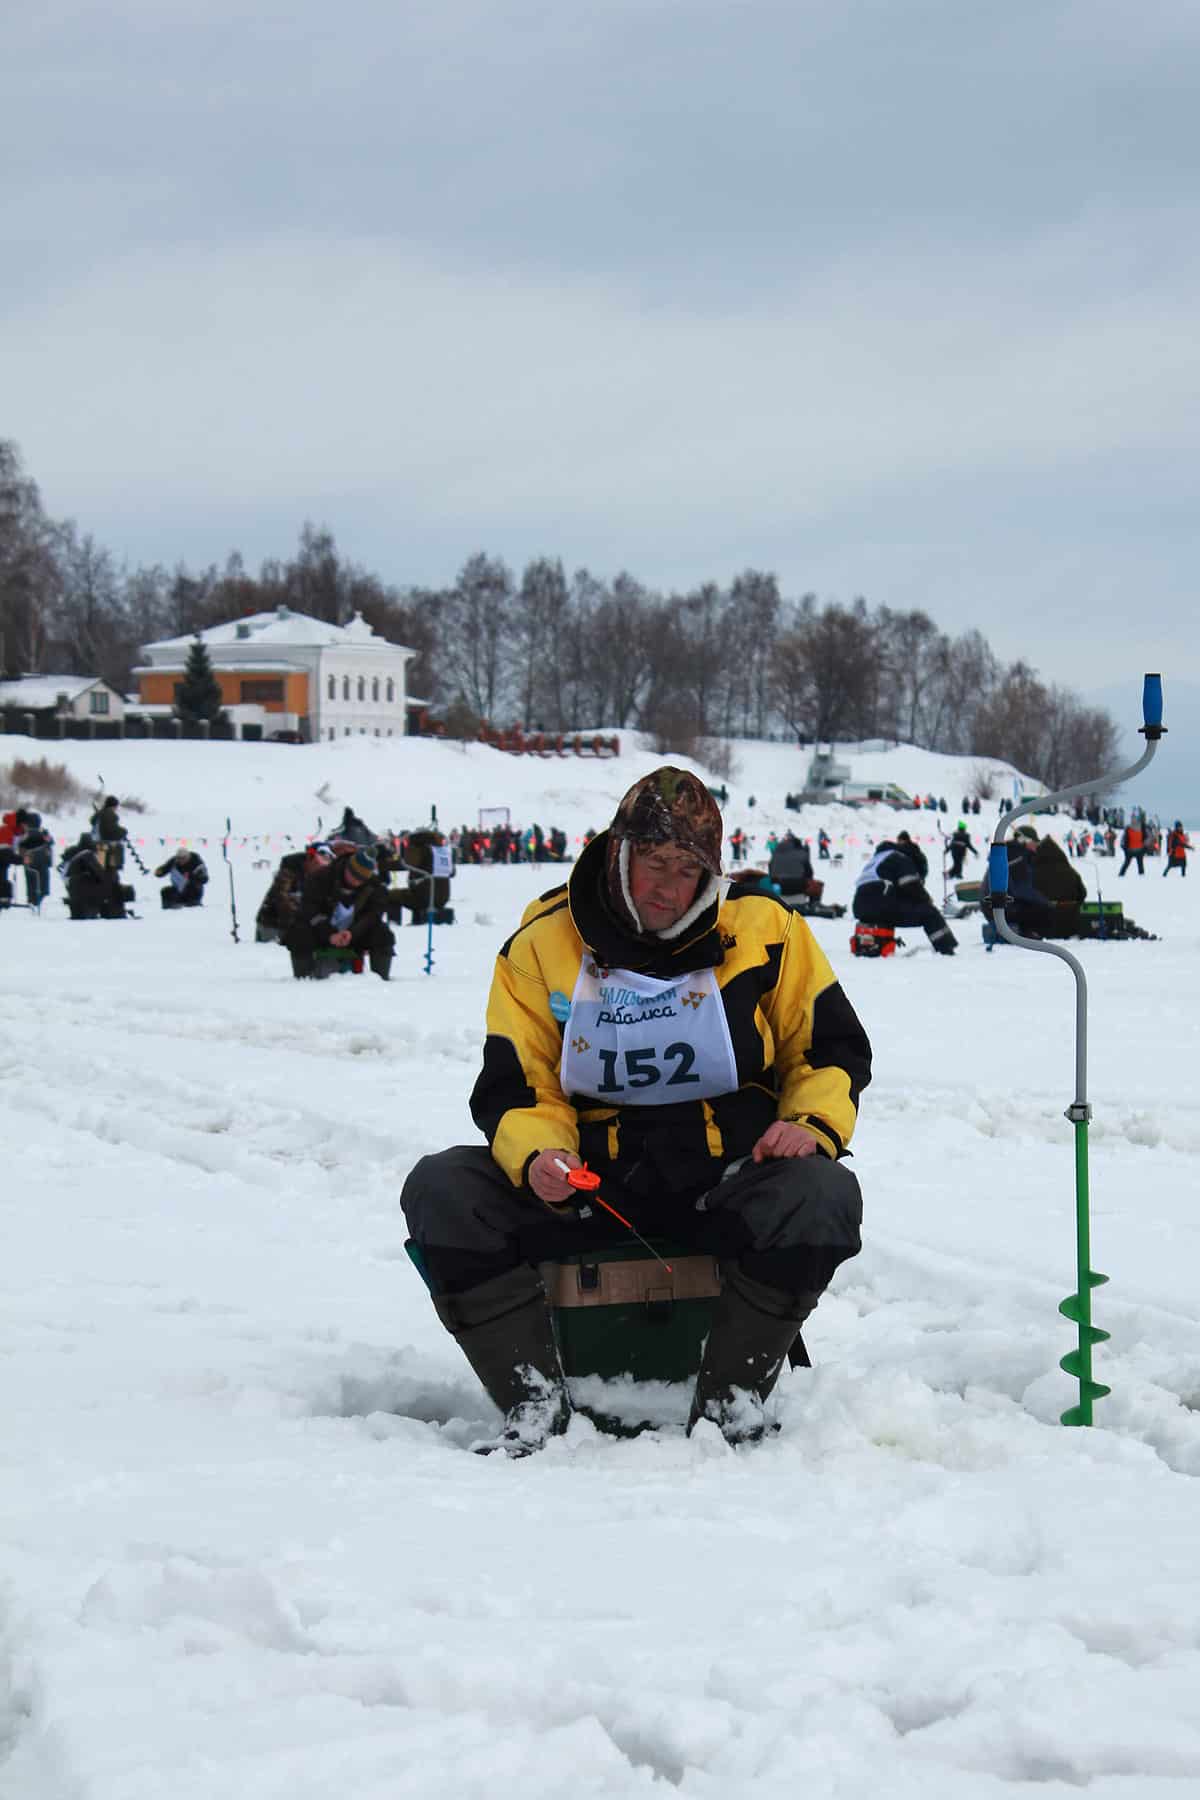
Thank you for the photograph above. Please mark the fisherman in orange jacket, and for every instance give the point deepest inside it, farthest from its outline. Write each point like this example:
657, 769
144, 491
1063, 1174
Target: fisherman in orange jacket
1178, 845
1133, 843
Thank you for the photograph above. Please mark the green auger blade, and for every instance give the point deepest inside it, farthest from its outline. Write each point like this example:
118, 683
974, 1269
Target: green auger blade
1082, 1414
1075, 1305
1078, 1362
1074, 1364
1073, 1309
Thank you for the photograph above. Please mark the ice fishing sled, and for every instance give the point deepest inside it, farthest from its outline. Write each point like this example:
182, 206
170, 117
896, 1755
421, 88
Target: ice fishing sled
874, 940
809, 908
966, 899
809, 903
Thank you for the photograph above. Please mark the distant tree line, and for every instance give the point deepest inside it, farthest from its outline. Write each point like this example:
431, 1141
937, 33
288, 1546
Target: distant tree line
558, 652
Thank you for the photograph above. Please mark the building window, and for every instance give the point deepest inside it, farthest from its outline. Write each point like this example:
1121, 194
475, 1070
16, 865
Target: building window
332, 733
345, 687
333, 687
375, 689
346, 732
391, 691
264, 689
362, 688
98, 701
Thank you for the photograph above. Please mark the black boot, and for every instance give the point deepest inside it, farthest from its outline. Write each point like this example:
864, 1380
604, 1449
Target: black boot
504, 1329
381, 964
753, 1328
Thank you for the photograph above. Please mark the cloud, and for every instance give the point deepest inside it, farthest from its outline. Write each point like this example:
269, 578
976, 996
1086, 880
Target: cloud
896, 301
266, 366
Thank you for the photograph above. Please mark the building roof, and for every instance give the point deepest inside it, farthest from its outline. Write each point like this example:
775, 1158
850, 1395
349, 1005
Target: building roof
41, 691
251, 672
281, 626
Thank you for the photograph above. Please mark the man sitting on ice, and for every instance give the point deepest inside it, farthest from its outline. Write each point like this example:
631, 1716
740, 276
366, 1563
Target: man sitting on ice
188, 879
342, 907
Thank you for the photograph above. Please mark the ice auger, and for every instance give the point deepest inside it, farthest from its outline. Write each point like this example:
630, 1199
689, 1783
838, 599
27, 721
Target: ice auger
1077, 1306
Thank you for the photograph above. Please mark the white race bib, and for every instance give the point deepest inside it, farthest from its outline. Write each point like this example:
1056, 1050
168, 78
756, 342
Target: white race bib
630, 1040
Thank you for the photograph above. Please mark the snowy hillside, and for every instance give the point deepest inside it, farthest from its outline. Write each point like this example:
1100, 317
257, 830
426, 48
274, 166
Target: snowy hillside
270, 790
246, 1554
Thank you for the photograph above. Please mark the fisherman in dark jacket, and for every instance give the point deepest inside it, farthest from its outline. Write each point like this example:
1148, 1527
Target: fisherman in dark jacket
280, 904
354, 830
110, 834
1062, 885
1045, 892
790, 867
914, 853
35, 847
94, 891
188, 879
890, 891
423, 886
958, 847
8, 861
342, 907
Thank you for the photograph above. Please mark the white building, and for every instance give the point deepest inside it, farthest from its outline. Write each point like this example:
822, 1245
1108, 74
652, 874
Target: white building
66, 696
291, 673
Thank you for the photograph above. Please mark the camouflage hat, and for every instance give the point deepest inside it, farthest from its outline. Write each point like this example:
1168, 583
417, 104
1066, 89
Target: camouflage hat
671, 806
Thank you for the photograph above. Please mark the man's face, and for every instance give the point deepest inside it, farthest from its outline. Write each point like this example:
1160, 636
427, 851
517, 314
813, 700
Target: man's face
663, 880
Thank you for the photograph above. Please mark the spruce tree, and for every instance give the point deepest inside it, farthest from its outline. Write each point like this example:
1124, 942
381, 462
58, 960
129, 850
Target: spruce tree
198, 695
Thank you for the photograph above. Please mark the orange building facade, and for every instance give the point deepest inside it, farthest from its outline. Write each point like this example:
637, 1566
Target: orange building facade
276, 691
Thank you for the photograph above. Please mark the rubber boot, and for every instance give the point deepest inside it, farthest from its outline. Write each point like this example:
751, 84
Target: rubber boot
504, 1329
753, 1328
381, 964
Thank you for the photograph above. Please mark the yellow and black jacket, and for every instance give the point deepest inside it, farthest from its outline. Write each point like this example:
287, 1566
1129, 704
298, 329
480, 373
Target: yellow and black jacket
800, 1050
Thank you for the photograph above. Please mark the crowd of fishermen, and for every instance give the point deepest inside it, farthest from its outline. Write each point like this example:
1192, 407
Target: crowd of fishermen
332, 905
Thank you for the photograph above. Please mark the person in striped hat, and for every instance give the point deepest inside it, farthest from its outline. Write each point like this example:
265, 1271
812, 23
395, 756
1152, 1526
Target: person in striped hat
342, 907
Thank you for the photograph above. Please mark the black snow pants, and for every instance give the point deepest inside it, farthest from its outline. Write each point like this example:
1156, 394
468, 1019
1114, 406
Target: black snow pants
788, 1222
889, 910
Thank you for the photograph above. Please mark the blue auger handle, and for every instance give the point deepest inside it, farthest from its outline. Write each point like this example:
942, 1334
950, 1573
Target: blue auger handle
1152, 701
998, 870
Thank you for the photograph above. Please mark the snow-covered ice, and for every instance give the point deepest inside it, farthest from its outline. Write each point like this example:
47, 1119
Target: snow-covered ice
244, 1550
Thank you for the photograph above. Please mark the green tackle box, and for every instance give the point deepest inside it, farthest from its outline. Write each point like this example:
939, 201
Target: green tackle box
621, 1312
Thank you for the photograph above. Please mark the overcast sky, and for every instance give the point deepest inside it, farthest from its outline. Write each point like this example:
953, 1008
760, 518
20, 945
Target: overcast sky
894, 299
